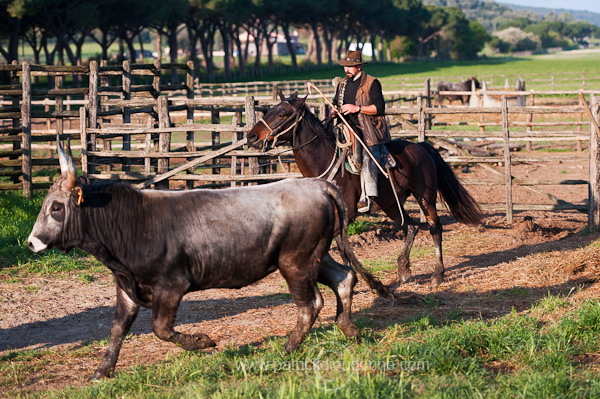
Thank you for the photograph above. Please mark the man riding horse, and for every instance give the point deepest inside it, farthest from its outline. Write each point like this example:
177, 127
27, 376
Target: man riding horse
359, 99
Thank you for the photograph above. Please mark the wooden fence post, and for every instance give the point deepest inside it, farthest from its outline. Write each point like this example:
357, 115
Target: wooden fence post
93, 95
126, 85
215, 119
59, 102
164, 139
83, 124
507, 168
190, 76
26, 130
427, 121
92, 117
235, 121
251, 121
421, 126
17, 127
594, 183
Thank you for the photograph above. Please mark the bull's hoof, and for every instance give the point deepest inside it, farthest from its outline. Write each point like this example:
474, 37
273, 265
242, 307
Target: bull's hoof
100, 374
291, 346
350, 330
195, 342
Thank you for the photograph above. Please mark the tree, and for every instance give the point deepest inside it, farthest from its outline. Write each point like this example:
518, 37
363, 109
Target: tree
431, 31
130, 24
290, 13
106, 32
314, 17
12, 27
549, 32
167, 18
56, 19
405, 28
514, 39
581, 31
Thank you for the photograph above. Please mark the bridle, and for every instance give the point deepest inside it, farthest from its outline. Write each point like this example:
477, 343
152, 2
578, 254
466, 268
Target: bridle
278, 131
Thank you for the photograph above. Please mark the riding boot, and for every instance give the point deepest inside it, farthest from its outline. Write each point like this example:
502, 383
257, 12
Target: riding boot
368, 177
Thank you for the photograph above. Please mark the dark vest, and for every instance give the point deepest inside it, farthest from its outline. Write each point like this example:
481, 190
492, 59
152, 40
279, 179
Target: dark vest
374, 127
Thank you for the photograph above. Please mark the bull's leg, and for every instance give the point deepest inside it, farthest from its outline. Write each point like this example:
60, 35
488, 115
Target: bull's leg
309, 302
341, 280
164, 311
125, 314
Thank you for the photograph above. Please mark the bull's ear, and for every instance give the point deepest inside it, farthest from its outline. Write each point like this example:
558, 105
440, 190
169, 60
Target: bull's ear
281, 95
77, 193
77, 190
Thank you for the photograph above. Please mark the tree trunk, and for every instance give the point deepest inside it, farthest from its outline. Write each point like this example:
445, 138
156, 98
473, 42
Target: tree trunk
206, 37
227, 47
318, 46
290, 44
241, 56
258, 45
373, 40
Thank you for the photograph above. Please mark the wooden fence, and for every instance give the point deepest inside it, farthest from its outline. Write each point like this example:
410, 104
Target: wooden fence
161, 134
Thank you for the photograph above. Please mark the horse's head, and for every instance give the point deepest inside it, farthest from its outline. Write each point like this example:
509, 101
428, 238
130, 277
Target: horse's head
477, 84
278, 124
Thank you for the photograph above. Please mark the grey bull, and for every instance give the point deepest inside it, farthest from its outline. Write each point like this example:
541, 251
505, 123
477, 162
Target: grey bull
161, 245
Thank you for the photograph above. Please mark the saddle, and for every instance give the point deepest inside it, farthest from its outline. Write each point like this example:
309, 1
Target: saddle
353, 161
349, 151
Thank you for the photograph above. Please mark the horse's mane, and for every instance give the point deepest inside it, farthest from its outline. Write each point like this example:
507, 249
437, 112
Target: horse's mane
323, 129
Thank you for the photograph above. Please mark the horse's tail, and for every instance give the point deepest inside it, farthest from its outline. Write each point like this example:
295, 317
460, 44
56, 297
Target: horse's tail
461, 204
344, 245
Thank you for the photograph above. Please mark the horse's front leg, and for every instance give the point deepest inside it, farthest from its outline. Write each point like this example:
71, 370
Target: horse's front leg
410, 231
435, 230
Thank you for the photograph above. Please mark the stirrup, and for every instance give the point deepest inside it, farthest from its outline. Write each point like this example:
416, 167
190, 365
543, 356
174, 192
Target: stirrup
364, 206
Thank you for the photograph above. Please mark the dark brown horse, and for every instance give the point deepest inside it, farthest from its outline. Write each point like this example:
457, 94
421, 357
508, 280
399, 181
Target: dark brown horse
420, 171
467, 85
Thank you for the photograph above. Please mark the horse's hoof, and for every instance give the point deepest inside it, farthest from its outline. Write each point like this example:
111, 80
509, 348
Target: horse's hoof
404, 276
436, 280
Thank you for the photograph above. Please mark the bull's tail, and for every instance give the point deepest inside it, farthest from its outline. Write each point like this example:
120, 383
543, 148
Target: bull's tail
346, 250
461, 204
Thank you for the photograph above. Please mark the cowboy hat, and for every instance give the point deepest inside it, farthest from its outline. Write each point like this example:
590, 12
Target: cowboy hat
353, 58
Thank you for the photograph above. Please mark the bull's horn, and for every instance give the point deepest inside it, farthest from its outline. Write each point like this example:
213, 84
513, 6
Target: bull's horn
62, 158
67, 165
